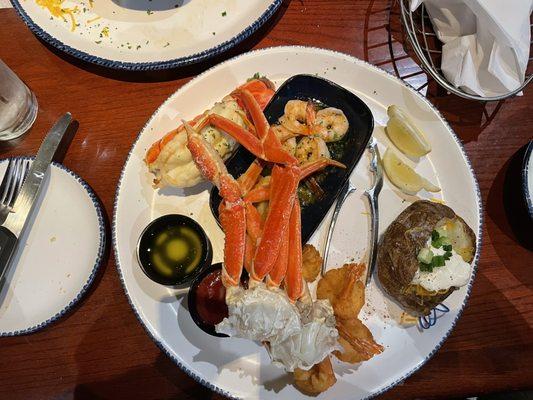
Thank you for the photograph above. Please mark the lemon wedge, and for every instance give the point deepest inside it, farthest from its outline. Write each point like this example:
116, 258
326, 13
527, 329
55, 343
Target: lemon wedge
403, 176
402, 131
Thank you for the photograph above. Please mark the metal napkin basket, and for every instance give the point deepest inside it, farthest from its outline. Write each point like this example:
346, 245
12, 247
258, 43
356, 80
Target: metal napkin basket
427, 48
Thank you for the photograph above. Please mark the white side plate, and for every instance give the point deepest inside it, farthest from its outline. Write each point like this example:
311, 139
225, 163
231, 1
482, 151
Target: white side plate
147, 34
241, 368
60, 255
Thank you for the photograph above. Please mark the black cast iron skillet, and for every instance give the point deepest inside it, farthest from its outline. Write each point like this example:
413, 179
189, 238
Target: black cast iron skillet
305, 87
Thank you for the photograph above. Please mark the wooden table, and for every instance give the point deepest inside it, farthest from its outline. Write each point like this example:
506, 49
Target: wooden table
100, 351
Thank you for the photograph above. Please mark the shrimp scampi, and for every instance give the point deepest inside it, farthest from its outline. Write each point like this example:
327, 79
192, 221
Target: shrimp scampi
297, 116
331, 124
311, 148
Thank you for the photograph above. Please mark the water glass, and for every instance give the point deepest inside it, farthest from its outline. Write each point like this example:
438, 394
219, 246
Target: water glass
18, 105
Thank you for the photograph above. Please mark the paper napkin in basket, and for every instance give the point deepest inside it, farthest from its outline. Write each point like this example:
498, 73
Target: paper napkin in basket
485, 42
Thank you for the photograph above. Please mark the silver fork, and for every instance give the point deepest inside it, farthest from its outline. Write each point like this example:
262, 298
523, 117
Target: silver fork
372, 194
346, 190
16, 171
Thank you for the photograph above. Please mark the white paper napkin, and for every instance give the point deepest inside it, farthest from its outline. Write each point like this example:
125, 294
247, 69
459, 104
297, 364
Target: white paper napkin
485, 42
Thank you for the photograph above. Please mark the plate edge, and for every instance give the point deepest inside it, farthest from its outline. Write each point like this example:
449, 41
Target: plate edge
525, 174
99, 257
388, 76
151, 65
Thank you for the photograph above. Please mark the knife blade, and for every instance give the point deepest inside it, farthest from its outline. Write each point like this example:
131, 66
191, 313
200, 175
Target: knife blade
13, 226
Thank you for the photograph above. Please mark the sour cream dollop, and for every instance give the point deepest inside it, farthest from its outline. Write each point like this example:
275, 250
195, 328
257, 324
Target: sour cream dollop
455, 272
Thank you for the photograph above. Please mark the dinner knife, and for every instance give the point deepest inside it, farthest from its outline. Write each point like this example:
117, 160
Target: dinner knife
16, 221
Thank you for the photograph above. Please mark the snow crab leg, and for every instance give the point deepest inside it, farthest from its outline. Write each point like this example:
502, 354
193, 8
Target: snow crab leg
168, 158
233, 210
262, 193
272, 250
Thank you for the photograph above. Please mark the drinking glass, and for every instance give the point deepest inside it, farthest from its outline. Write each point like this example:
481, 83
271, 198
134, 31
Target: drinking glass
18, 105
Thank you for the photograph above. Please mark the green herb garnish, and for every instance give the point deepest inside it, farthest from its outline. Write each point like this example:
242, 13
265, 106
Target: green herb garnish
426, 267
440, 242
447, 247
224, 13
438, 261
257, 75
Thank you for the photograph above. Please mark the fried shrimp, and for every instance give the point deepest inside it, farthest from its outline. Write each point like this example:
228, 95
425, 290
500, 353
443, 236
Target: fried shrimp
311, 262
356, 340
330, 124
317, 380
346, 292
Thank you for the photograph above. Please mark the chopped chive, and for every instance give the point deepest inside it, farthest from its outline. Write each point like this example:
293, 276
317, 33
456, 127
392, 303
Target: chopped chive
426, 267
438, 261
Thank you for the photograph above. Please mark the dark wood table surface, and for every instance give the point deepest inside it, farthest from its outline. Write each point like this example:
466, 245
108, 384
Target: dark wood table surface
100, 351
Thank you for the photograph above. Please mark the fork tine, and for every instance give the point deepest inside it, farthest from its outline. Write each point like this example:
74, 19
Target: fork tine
12, 183
23, 173
5, 180
12, 179
18, 177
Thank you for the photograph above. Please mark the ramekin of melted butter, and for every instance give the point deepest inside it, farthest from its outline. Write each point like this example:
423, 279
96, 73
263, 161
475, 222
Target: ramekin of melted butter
173, 249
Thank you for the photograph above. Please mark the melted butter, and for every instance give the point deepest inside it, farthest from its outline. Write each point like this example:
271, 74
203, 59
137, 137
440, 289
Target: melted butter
175, 252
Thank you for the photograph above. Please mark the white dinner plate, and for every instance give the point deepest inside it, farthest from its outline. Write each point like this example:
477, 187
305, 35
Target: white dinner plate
146, 34
241, 368
57, 258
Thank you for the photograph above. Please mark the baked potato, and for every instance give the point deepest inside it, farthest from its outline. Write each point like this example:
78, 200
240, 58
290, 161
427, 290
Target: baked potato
398, 258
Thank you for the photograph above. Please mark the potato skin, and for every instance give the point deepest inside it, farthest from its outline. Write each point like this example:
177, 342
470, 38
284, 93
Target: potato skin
397, 254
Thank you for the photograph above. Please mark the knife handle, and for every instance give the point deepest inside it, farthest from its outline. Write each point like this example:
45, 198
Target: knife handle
8, 243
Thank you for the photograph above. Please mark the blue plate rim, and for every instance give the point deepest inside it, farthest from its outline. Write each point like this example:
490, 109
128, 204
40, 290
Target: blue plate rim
525, 176
99, 256
151, 65
387, 74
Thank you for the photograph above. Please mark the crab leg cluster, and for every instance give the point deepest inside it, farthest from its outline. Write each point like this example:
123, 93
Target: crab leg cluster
270, 250
259, 88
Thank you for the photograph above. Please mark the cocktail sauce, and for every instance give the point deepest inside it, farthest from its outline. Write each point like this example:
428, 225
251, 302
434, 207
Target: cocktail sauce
211, 299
